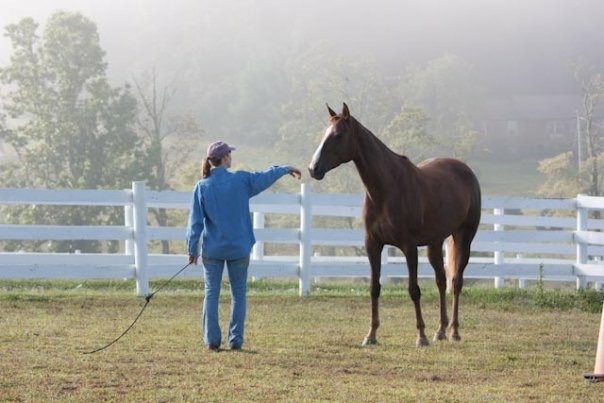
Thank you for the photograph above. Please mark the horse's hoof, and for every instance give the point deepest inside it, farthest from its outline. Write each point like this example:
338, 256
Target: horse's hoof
440, 336
422, 342
367, 341
455, 337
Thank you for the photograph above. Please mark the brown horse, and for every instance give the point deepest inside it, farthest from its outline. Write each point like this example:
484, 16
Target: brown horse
407, 206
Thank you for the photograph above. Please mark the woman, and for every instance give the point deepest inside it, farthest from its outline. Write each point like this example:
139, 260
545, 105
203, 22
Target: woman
220, 215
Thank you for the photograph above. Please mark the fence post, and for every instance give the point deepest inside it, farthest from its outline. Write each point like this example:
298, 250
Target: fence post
140, 237
521, 281
384, 262
498, 256
582, 215
446, 260
129, 222
305, 239
258, 249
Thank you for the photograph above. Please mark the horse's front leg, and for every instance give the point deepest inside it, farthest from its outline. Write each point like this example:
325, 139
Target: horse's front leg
374, 252
415, 294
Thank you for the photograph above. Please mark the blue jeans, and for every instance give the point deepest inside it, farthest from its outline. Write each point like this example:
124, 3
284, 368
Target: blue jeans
212, 272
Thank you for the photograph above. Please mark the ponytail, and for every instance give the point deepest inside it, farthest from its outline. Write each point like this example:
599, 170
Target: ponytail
206, 166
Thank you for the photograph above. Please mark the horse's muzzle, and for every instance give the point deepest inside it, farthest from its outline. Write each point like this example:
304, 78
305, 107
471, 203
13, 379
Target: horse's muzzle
316, 173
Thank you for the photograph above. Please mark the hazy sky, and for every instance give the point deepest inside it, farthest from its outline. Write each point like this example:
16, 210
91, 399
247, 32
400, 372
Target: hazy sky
511, 41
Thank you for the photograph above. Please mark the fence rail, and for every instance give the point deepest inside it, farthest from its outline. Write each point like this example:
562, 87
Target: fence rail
519, 238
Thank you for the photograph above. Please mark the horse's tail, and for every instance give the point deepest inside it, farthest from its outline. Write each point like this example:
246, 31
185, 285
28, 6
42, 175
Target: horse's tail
450, 265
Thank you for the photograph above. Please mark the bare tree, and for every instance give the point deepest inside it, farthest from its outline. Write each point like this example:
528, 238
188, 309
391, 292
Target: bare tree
167, 138
592, 88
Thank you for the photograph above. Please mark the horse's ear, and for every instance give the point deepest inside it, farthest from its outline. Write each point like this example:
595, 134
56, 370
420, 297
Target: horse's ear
331, 112
345, 111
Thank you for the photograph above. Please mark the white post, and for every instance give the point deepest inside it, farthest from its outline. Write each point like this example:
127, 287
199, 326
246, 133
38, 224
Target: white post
140, 237
498, 255
129, 222
579, 146
582, 214
521, 281
305, 239
446, 257
384, 262
258, 249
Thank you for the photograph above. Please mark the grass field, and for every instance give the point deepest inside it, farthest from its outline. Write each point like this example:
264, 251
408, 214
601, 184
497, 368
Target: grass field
515, 346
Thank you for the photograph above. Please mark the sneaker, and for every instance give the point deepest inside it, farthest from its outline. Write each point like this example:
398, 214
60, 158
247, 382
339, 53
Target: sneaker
211, 347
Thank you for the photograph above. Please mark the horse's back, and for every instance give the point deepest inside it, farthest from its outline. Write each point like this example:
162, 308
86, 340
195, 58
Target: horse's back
449, 172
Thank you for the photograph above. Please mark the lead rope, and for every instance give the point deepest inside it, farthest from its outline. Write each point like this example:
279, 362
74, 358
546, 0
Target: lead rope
147, 300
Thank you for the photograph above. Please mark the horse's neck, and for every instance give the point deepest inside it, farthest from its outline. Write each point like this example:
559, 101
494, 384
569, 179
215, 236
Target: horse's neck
378, 165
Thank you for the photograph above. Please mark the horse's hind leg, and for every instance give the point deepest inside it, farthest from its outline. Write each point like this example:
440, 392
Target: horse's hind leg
374, 252
462, 241
435, 256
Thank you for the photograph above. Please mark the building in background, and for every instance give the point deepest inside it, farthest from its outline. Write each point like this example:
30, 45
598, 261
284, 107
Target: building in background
535, 126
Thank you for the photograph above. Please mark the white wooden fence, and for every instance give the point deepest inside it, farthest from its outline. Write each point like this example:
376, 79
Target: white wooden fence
520, 238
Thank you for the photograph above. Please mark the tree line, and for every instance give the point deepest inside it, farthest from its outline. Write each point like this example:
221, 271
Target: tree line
68, 127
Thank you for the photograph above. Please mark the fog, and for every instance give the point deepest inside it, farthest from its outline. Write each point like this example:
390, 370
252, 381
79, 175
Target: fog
516, 48
515, 45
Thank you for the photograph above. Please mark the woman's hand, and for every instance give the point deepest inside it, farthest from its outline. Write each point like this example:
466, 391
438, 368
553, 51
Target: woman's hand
295, 172
193, 259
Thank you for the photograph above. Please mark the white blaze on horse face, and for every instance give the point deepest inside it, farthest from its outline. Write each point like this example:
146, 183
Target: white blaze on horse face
317, 155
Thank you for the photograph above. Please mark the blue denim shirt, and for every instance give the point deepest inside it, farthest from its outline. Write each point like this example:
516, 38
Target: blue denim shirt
220, 211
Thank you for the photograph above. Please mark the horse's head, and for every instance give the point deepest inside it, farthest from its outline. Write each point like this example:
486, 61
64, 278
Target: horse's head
337, 147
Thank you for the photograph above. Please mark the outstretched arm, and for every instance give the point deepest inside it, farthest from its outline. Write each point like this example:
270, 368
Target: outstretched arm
260, 181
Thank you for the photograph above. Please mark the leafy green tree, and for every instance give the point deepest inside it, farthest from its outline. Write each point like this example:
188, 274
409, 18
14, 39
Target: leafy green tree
318, 76
407, 134
561, 177
67, 126
445, 90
